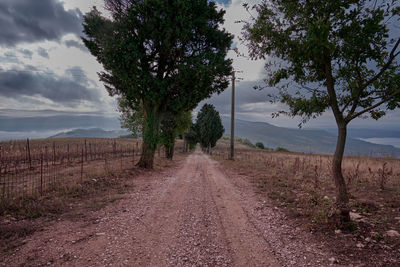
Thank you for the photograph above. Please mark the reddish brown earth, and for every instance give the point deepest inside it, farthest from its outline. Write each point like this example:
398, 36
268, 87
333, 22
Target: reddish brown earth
191, 214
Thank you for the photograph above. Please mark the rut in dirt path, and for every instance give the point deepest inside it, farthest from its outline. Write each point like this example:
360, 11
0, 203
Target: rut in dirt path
199, 221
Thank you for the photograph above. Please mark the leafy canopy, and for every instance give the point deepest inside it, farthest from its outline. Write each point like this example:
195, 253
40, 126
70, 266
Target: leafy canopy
174, 125
166, 55
209, 126
329, 54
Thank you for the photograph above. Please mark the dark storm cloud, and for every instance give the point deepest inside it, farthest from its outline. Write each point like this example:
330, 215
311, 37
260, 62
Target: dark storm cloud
26, 21
63, 90
79, 45
42, 52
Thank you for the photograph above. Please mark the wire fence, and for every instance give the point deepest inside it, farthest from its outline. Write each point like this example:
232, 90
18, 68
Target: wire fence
31, 168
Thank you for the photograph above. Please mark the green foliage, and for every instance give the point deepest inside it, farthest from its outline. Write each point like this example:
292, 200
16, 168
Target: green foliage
173, 125
191, 136
131, 116
168, 126
332, 54
281, 149
165, 56
151, 137
208, 126
260, 145
184, 121
163, 53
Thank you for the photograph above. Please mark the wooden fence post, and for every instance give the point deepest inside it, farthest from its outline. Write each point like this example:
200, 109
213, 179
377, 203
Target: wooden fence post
41, 173
54, 153
90, 151
29, 153
85, 151
82, 167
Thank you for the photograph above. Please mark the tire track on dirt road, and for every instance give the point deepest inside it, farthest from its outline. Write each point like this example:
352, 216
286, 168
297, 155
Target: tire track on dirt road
249, 248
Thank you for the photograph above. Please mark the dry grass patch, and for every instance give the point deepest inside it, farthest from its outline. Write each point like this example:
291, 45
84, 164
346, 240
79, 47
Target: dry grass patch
302, 185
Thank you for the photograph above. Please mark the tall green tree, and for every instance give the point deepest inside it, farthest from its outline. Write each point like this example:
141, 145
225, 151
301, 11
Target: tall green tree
333, 54
191, 137
173, 125
209, 127
163, 55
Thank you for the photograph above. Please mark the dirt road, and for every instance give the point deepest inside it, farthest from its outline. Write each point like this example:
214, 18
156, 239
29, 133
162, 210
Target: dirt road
194, 214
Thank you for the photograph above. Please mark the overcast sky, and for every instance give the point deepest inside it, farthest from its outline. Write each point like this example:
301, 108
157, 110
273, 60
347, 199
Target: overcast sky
45, 66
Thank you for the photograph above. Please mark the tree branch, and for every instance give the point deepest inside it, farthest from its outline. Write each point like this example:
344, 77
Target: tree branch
330, 85
348, 119
392, 56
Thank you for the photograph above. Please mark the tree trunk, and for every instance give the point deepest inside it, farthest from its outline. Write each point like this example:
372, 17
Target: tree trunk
184, 144
342, 197
169, 150
150, 139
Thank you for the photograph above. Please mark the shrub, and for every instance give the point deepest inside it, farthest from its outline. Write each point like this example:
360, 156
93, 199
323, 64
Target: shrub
260, 145
281, 149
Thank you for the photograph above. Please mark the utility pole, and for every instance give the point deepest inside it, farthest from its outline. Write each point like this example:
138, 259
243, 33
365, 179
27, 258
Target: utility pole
232, 157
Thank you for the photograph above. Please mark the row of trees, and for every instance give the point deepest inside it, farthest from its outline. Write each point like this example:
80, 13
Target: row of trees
206, 130
161, 58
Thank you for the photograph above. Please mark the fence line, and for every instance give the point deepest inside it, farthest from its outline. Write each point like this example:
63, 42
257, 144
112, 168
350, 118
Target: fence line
35, 168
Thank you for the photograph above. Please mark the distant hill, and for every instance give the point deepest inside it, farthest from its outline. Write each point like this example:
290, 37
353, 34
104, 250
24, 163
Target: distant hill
303, 140
91, 133
369, 133
56, 122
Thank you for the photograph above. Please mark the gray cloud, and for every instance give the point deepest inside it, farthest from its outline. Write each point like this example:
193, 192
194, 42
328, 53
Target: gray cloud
63, 90
42, 52
25, 21
79, 45
245, 95
78, 75
27, 53
9, 57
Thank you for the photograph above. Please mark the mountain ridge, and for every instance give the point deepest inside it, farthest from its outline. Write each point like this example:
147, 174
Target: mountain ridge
304, 140
90, 133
